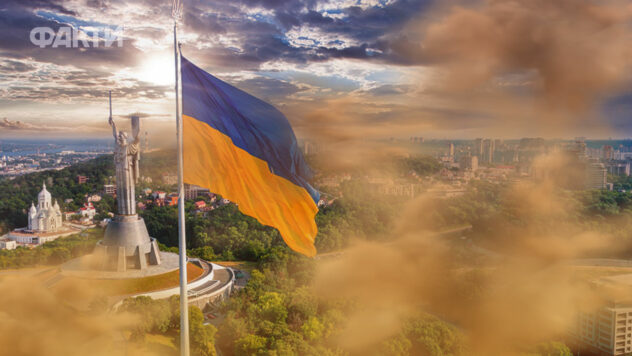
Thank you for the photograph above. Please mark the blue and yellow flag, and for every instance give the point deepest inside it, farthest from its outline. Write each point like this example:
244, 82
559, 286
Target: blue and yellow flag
244, 149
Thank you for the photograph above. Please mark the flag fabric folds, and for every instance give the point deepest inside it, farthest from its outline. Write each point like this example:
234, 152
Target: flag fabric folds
244, 149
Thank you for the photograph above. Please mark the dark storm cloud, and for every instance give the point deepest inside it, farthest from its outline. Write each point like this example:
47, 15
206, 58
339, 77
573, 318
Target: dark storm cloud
17, 20
86, 90
205, 23
262, 38
11, 66
258, 37
37, 4
222, 36
267, 89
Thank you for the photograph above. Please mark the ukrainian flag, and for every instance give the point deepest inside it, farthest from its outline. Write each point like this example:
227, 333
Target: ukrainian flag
244, 149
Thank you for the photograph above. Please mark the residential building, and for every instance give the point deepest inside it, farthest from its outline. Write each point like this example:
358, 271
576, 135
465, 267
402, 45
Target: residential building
487, 155
478, 147
468, 163
193, 191
595, 175
109, 189
618, 168
608, 330
87, 210
608, 152
6, 244
82, 179
171, 200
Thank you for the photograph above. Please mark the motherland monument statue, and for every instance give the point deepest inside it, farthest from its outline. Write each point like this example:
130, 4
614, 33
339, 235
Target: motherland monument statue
126, 244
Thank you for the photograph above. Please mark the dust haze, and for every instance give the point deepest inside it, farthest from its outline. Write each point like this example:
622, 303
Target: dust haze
501, 68
509, 68
61, 321
526, 291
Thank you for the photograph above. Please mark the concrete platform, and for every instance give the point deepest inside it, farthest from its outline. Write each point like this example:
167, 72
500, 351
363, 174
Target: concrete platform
83, 267
126, 245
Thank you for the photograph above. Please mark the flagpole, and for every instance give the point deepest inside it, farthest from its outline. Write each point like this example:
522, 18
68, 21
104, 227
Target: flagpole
184, 308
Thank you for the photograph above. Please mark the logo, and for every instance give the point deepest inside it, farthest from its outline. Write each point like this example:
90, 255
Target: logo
70, 37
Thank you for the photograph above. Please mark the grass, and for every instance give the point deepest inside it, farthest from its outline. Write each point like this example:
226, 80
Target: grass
154, 345
114, 287
242, 265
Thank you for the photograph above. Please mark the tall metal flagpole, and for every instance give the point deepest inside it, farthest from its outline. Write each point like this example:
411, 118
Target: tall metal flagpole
184, 308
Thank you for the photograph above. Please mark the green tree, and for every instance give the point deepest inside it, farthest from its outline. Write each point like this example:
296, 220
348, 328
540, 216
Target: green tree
202, 336
250, 345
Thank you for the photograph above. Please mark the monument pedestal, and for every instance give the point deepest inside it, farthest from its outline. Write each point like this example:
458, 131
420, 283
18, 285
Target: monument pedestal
126, 245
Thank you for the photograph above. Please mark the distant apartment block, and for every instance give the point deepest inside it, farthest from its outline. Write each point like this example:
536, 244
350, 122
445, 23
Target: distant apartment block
478, 147
618, 167
608, 152
595, 176
82, 179
487, 155
468, 163
194, 191
607, 331
109, 189
6, 244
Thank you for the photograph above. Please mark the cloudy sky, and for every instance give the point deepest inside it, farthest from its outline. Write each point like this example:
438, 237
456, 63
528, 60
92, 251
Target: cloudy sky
339, 69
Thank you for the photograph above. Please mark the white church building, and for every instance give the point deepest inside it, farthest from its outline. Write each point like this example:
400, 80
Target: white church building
45, 222
46, 217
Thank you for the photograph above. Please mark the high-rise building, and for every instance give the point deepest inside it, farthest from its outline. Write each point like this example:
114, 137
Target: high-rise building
595, 175
478, 147
487, 155
579, 146
608, 152
451, 150
606, 331
619, 167
468, 163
